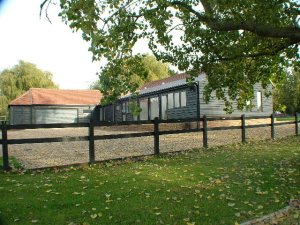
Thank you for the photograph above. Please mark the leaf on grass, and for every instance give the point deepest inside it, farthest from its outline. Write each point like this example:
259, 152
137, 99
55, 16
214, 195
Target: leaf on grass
231, 204
94, 216
34, 221
237, 214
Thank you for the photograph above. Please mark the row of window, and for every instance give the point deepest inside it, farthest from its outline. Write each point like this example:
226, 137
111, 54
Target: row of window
150, 106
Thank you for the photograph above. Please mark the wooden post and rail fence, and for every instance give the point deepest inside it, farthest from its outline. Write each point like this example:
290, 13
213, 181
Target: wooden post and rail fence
91, 138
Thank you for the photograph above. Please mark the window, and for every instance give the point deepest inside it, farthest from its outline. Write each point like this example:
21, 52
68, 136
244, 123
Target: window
183, 99
144, 107
124, 107
154, 108
170, 101
259, 101
176, 100
164, 107
101, 114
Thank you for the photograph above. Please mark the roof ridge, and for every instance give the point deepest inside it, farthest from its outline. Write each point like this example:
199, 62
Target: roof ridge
52, 89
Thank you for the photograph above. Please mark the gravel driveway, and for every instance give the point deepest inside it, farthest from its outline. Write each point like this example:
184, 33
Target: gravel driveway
54, 154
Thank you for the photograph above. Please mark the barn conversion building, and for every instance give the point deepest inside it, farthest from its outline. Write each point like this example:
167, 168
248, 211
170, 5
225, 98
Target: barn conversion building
174, 98
45, 106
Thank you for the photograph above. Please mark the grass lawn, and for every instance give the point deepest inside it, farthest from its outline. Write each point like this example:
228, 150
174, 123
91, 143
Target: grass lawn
292, 118
220, 185
13, 162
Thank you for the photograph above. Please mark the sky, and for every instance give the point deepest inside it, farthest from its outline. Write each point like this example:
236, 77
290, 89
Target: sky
52, 47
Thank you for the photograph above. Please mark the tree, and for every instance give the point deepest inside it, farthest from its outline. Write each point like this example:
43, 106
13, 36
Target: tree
130, 70
287, 94
236, 42
20, 78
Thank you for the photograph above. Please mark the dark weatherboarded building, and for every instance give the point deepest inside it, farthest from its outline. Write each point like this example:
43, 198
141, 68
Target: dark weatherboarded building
174, 98
44, 106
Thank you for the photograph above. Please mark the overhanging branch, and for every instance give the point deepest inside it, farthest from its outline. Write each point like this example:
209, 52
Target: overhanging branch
274, 50
263, 30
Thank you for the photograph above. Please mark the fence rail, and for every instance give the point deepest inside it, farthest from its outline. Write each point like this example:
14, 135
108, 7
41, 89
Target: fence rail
91, 138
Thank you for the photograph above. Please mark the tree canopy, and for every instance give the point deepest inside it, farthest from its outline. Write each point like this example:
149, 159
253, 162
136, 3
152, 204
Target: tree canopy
287, 94
129, 71
236, 42
20, 78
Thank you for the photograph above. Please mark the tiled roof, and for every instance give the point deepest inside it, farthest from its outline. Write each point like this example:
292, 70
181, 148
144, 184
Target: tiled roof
42, 96
180, 76
169, 82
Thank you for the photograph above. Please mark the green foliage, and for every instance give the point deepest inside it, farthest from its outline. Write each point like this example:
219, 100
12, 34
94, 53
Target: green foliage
128, 74
20, 78
224, 185
236, 42
134, 108
95, 85
287, 94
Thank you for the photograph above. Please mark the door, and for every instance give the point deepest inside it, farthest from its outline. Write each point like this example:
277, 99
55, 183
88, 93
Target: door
46, 116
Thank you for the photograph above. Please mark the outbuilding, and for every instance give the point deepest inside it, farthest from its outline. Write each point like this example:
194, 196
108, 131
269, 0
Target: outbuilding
175, 98
46, 106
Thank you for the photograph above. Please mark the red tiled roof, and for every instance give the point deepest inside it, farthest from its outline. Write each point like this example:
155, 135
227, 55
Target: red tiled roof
155, 83
42, 96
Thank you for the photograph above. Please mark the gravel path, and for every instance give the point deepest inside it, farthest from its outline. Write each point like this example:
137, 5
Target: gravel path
54, 154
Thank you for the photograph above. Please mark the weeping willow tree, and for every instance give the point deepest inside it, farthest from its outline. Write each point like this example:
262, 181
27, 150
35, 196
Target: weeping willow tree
20, 78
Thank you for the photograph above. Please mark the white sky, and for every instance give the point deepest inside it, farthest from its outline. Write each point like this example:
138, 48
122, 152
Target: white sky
52, 47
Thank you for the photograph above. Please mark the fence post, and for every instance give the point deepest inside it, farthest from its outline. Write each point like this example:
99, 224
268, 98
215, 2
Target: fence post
156, 136
91, 142
5, 147
273, 126
296, 124
243, 118
205, 141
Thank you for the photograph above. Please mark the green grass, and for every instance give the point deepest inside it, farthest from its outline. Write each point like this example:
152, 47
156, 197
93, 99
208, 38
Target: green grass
220, 185
292, 118
13, 162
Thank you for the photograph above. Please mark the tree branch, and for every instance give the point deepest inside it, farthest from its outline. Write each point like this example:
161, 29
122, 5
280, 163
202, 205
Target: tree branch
46, 10
263, 30
274, 50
